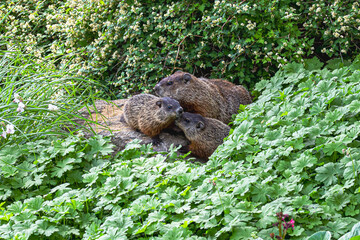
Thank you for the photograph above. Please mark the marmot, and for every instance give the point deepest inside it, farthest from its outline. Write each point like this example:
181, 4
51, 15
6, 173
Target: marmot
204, 134
151, 114
213, 98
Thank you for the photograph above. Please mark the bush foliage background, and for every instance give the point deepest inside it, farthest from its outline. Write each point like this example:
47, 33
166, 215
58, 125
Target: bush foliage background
132, 44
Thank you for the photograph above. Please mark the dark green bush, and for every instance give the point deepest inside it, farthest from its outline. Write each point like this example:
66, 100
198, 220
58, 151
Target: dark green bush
132, 44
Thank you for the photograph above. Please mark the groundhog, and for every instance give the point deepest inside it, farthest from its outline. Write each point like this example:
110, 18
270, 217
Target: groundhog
213, 98
204, 134
150, 114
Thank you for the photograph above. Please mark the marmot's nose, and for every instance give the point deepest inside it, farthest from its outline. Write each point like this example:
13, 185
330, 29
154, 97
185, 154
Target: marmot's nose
180, 110
157, 87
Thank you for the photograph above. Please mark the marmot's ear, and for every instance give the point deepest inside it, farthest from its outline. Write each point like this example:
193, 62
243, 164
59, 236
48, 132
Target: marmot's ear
158, 103
200, 125
187, 77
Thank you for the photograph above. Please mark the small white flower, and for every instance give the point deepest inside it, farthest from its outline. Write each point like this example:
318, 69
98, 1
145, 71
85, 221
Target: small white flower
21, 107
17, 98
53, 107
3, 134
10, 129
32, 16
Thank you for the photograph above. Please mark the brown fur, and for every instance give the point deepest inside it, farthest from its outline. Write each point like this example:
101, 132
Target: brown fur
213, 98
151, 114
205, 134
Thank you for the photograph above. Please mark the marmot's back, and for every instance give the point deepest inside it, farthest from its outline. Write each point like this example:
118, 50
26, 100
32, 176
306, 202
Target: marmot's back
134, 106
213, 98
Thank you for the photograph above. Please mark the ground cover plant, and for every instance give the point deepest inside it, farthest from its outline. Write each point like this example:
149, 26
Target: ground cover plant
131, 44
298, 148
295, 150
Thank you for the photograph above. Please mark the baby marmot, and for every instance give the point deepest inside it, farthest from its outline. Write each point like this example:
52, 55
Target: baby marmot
205, 134
151, 114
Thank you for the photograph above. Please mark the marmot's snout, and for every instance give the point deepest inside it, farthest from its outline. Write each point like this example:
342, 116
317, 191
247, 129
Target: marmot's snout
179, 112
157, 89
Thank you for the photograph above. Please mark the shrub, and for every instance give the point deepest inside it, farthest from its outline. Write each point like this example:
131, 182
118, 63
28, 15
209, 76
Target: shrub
132, 44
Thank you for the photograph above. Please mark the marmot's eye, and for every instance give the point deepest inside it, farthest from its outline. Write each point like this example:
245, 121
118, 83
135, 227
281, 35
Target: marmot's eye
187, 120
169, 107
169, 83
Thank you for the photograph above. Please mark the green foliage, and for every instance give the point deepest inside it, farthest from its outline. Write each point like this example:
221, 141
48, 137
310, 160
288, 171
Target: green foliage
320, 236
39, 182
132, 44
60, 189
38, 99
295, 150
300, 140
354, 234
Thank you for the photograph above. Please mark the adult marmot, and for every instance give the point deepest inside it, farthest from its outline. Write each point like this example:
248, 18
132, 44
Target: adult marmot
151, 114
204, 134
213, 98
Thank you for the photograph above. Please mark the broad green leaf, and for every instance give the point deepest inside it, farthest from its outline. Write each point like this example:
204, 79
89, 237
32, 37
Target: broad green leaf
354, 234
35, 204
8, 171
242, 232
340, 225
325, 174
272, 135
293, 68
334, 115
332, 147
354, 106
100, 145
16, 207
324, 86
355, 231
90, 178
317, 108
338, 200
336, 63
305, 160
323, 235
157, 216
24, 217
313, 64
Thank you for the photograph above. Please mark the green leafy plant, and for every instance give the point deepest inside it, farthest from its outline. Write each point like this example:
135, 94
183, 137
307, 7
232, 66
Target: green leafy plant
354, 234
299, 141
37, 99
130, 45
35, 182
284, 154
